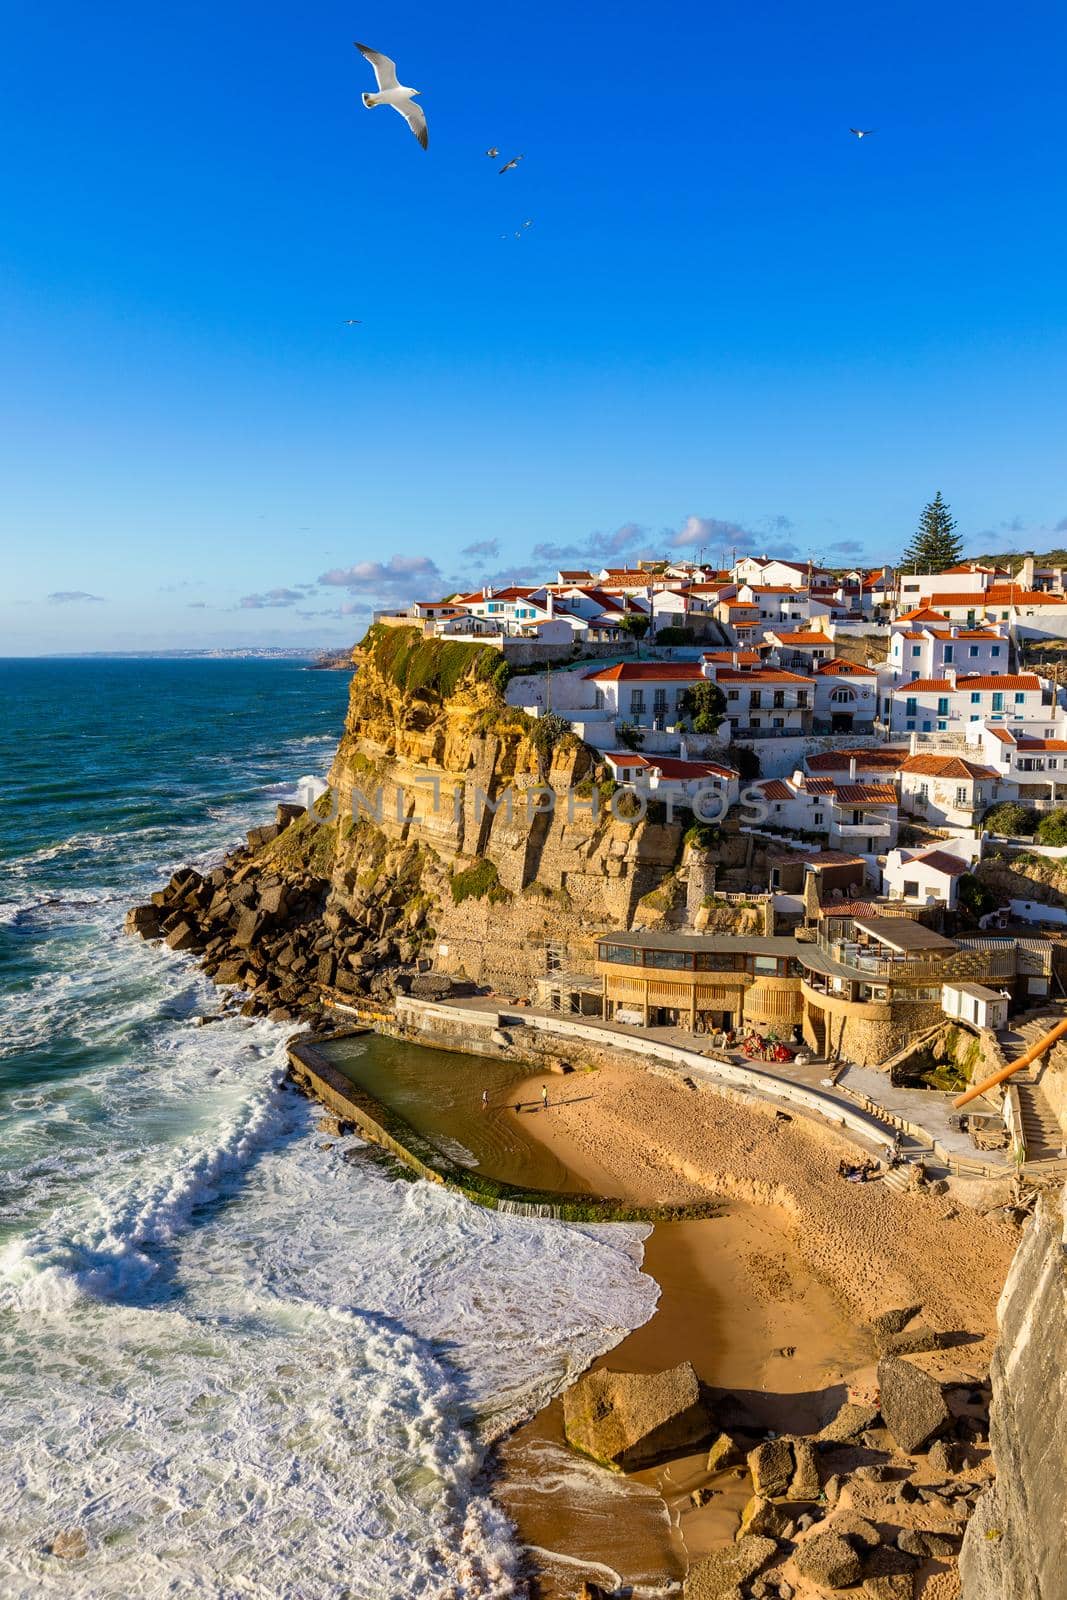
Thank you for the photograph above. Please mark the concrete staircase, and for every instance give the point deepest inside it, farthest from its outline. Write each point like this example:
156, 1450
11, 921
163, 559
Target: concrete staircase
1041, 1130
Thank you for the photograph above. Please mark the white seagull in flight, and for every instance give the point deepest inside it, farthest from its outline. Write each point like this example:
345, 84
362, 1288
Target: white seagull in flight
391, 92
512, 163
861, 133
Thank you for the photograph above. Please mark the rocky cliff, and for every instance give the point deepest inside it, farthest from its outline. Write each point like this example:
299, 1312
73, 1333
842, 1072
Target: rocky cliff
1016, 1542
456, 828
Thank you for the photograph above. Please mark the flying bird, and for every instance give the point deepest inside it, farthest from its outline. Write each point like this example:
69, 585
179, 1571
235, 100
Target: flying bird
528, 223
861, 133
492, 152
353, 322
507, 164
391, 92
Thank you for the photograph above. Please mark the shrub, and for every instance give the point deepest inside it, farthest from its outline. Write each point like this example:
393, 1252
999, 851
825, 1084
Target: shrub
974, 898
705, 704
1052, 828
701, 835
474, 882
675, 635
630, 737
1010, 818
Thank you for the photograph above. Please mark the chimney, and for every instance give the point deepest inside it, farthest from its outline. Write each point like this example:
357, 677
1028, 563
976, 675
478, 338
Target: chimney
950, 674
913, 744
851, 769
1026, 573
551, 604
736, 659
955, 630
683, 748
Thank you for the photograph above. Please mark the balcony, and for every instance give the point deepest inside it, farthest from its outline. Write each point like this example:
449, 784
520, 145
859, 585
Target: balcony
863, 830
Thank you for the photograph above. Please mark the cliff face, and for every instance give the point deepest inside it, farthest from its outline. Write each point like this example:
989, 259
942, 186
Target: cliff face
1015, 1547
494, 840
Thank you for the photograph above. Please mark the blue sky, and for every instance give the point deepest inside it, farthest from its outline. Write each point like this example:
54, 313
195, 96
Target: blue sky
726, 308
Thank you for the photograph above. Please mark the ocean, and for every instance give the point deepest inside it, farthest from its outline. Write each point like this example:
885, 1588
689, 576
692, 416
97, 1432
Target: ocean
236, 1363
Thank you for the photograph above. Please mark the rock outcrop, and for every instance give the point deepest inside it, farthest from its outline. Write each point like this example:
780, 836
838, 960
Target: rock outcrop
629, 1420
456, 831
913, 1405
1015, 1546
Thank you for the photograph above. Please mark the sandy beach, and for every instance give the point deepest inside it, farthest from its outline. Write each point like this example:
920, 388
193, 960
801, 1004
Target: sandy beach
769, 1301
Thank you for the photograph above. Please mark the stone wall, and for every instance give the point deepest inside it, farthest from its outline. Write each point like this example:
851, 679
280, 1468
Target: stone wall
1015, 1547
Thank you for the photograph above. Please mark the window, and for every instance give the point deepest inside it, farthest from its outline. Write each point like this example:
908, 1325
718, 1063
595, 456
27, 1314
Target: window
637, 701
909, 727
1020, 698
802, 699
961, 794
998, 701
779, 697
995, 650
942, 727
942, 705
949, 649
911, 888
910, 706
660, 702
767, 964
976, 698
916, 649
732, 694
972, 652
817, 817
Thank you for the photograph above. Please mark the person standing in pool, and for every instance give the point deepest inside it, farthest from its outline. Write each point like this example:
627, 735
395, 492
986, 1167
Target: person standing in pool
485, 1099
544, 1098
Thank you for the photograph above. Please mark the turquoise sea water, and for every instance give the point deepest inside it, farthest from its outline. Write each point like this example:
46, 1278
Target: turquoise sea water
240, 1364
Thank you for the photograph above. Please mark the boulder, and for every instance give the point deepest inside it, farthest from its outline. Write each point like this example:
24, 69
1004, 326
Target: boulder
258, 837
722, 1573
143, 920
804, 1484
927, 1542
828, 1560
946, 1457
856, 1529
849, 1423
914, 1342
70, 1545
632, 1419
230, 971
913, 1405
287, 813
273, 902
724, 1453
892, 1321
762, 1516
183, 936
771, 1466
249, 928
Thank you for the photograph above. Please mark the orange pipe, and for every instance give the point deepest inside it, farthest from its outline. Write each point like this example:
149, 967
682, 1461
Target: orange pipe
1024, 1061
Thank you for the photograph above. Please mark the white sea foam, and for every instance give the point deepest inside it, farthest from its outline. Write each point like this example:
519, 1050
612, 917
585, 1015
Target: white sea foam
242, 1365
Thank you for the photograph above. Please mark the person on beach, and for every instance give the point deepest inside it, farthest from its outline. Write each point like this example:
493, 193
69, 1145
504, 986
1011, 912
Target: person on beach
544, 1098
485, 1099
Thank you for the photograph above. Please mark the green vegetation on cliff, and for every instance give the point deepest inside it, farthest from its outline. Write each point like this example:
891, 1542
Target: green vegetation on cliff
431, 666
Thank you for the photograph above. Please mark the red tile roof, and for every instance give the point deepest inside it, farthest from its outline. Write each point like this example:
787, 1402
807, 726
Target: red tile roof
726, 657
808, 636
866, 794
1001, 680
1027, 743
881, 757
935, 766
922, 614
941, 861
839, 667
680, 671
775, 789
759, 675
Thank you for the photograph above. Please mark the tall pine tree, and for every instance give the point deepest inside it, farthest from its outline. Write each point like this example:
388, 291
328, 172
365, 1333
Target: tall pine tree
934, 546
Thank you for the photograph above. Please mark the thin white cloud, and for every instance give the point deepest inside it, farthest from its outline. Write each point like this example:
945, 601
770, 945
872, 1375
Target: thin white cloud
65, 597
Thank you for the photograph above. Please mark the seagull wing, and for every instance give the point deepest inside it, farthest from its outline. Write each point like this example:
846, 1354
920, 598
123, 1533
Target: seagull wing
415, 118
384, 69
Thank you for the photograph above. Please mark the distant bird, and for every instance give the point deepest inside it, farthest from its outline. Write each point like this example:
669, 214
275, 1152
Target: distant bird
528, 223
507, 164
353, 322
861, 133
391, 92
492, 152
